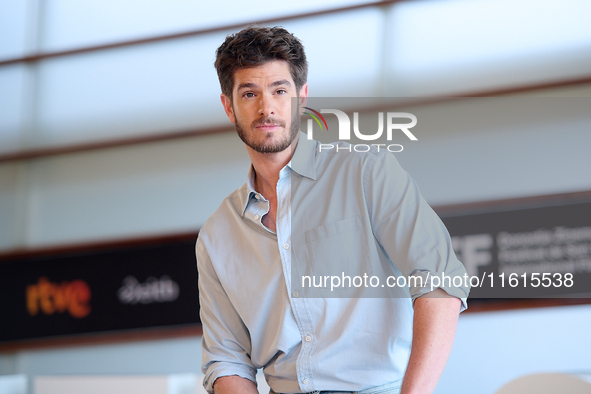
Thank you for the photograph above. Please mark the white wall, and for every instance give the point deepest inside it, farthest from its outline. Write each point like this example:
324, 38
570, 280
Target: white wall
174, 186
494, 348
490, 350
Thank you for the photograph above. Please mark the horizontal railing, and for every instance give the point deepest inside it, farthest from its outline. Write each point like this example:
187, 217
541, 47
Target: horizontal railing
37, 153
191, 33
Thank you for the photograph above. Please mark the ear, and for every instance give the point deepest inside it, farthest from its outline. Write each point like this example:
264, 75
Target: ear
227, 103
303, 97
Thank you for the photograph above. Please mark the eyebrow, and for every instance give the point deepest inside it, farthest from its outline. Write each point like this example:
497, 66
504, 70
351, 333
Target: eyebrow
280, 82
248, 85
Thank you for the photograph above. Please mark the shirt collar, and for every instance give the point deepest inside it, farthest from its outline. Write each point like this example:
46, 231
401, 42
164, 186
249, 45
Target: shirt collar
303, 161
250, 191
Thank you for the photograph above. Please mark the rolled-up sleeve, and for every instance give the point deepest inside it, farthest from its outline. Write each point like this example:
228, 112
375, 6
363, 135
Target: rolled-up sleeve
410, 232
226, 344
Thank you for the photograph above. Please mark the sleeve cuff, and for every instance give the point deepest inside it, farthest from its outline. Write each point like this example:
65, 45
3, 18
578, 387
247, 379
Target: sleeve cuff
431, 283
227, 369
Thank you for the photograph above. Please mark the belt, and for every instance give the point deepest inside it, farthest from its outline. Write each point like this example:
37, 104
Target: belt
389, 388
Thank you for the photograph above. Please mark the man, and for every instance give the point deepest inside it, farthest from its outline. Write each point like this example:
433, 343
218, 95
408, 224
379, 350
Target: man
362, 208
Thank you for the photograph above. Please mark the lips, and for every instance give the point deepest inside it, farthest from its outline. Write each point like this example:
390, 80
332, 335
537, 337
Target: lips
267, 126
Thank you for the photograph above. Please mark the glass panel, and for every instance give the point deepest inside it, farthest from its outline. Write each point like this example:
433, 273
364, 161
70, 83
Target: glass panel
13, 24
512, 42
344, 52
173, 85
90, 22
11, 106
11, 200
144, 189
121, 92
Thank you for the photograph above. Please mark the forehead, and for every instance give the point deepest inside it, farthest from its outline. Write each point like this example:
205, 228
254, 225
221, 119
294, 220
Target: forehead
263, 74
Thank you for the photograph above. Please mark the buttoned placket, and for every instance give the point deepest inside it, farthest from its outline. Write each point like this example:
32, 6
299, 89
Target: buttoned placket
298, 304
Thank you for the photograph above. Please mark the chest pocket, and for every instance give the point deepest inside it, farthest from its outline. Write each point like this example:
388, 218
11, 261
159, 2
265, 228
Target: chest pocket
337, 250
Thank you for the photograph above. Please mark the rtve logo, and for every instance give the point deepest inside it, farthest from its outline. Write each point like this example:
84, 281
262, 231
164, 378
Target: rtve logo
50, 298
344, 123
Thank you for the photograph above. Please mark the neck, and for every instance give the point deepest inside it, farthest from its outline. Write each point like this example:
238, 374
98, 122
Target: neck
268, 165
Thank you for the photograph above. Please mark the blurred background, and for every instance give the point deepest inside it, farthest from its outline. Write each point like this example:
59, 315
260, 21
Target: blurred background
112, 132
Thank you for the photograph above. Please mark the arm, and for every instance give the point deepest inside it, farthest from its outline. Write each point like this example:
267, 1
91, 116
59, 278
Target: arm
226, 341
234, 385
419, 245
434, 328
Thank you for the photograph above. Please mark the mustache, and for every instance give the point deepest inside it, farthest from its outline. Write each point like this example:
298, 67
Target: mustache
267, 120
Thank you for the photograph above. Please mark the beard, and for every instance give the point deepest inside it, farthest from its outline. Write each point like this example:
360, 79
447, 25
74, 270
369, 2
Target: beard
266, 146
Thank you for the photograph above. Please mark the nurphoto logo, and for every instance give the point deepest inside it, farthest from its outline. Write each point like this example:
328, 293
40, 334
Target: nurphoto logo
395, 122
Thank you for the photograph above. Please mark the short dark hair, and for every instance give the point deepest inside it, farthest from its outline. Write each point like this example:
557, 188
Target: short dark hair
256, 45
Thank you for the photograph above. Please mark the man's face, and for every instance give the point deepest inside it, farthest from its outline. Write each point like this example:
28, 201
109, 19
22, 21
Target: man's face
261, 106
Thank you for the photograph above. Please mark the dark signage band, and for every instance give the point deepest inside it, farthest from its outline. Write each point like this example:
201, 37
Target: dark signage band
99, 291
531, 252
517, 252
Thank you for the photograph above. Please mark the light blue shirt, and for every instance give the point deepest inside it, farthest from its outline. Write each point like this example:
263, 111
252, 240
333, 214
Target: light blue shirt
342, 212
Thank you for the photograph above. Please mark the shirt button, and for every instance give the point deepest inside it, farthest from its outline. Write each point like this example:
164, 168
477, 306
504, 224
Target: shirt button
305, 381
285, 246
256, 217
296, 294
308, 338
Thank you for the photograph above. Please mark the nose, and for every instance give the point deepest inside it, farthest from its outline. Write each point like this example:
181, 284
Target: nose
266, 105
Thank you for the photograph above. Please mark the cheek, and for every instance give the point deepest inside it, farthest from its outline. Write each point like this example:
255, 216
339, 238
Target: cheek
246, 113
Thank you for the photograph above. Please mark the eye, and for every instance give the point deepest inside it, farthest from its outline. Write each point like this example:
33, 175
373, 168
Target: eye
281, 91
248, 95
